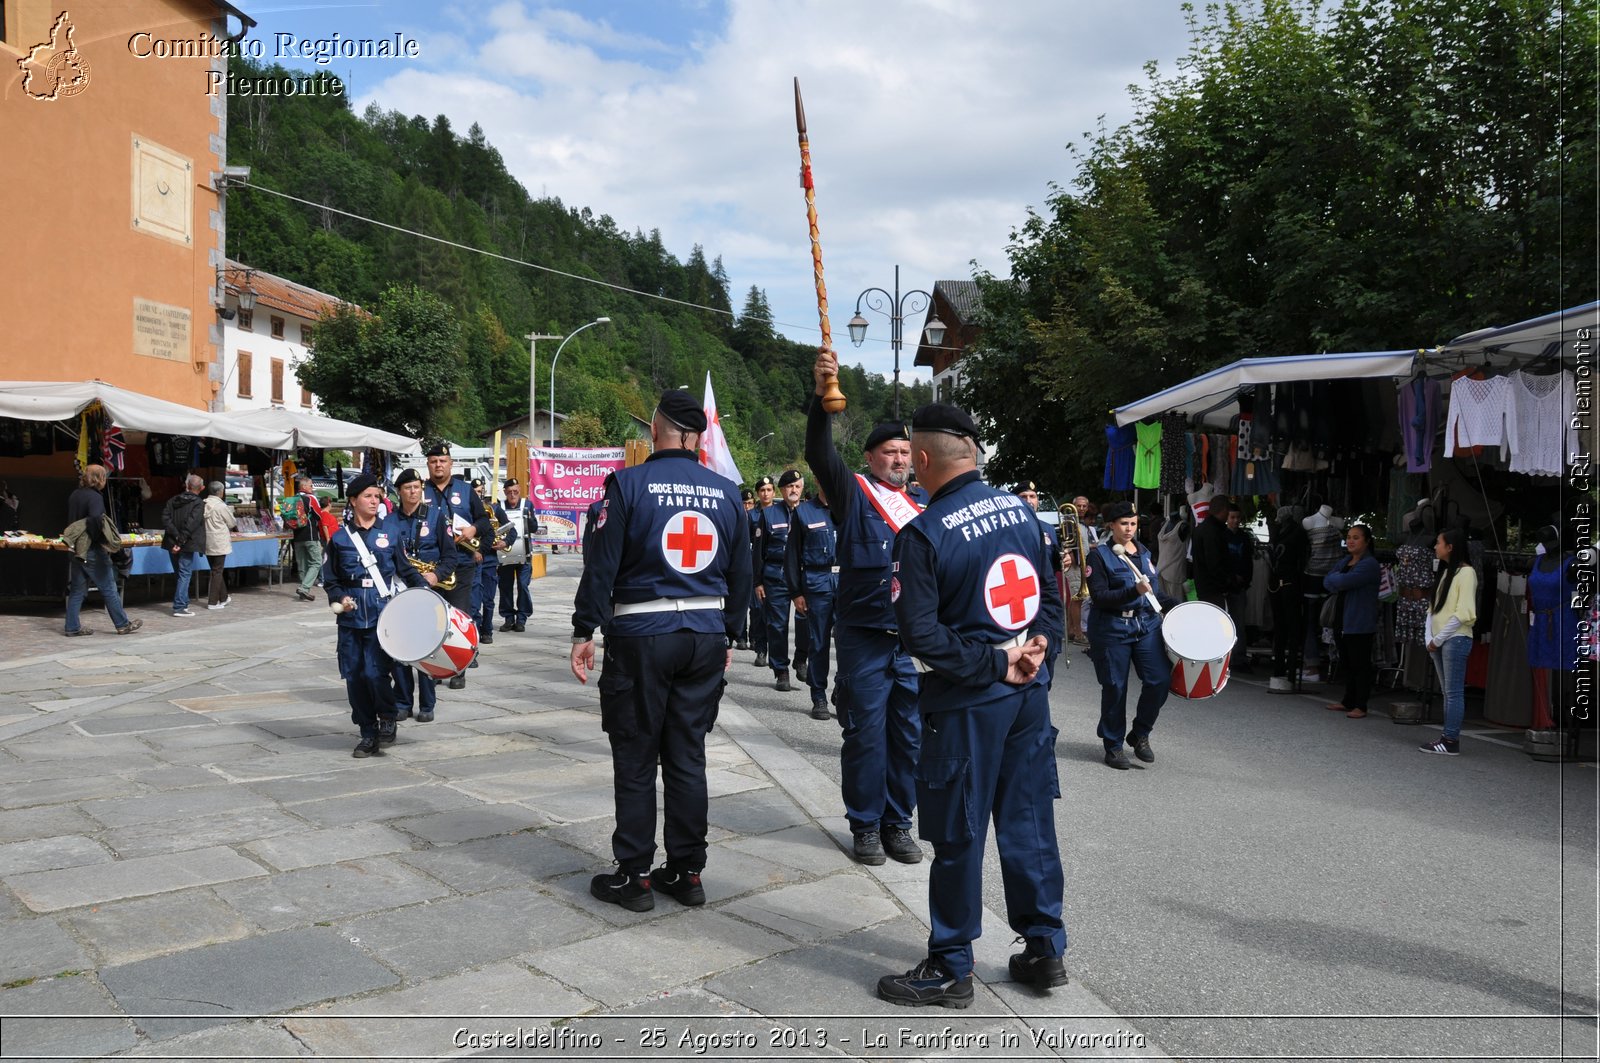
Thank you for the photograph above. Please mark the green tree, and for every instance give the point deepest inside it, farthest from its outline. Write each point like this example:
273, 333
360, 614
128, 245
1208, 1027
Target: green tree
584, 430
397, 367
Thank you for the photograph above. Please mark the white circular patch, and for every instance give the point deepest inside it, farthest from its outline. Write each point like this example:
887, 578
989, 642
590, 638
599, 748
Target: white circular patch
1011, 592
689, 541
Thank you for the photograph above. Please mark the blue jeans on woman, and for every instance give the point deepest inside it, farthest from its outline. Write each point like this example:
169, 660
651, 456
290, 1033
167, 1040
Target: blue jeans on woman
96, 566
1450, 661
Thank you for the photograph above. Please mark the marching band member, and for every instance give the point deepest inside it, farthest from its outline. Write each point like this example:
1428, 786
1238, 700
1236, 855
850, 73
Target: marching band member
811, 569
981, 615
502, 535
425, 537
770, 543
516, 566
469, 522
758, 610
1124, 628
666, 574
364, 558
877, 684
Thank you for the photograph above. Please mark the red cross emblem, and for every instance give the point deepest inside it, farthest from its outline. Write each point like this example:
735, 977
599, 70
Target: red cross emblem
1011, 592
689, 542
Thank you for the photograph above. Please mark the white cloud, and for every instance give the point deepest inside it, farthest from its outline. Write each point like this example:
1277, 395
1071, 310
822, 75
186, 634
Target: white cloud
933, 127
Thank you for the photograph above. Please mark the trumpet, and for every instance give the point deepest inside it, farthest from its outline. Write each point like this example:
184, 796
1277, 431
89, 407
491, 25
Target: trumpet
428, 566
1072, 545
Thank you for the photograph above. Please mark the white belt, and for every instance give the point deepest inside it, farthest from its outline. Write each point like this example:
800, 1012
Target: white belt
666, 605
1008, 644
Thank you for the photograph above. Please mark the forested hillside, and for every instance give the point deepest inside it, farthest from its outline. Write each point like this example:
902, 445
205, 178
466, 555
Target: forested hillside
419, 174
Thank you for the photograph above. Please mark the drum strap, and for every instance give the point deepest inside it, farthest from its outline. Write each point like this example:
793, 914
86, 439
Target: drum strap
370, 563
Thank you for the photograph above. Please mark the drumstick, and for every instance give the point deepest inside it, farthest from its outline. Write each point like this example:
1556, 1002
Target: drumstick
1150, 595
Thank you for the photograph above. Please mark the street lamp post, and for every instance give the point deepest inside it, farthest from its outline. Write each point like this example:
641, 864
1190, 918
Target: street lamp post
553, 361
533, 339
897, 306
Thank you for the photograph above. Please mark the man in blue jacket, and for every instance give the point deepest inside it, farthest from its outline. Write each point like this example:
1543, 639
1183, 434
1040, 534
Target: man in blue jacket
424, 535
811, 570
981, 614
364, 559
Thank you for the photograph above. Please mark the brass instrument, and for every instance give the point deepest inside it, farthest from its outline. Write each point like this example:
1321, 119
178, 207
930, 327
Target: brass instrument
1072, 545
428, 566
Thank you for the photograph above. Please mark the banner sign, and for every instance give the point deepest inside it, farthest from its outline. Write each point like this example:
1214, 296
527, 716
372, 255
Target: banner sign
562, 482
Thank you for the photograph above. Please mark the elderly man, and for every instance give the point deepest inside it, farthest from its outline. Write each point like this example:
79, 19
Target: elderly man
516, 566
770, 544
183, 532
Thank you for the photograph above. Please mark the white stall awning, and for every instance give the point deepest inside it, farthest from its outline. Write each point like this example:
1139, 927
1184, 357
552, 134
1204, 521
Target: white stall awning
313, 430
1211, 397
45, 400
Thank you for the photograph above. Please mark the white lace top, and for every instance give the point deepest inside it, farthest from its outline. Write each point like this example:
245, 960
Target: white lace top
1482, 413
1546, 439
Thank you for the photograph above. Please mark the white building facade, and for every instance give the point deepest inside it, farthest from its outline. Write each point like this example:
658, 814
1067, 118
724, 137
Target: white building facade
263, 346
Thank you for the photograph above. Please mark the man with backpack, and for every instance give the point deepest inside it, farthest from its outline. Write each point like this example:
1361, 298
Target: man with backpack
304, 517
183, 534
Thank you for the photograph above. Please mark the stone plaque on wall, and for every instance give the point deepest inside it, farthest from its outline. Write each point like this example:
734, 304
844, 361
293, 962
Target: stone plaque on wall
161, 330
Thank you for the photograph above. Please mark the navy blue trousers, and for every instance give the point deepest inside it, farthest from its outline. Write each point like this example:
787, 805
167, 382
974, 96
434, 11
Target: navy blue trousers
996, 762
516, 600
483, 598
816, 627
877, 690
368, 681
413, 683
777, 620
1113, 650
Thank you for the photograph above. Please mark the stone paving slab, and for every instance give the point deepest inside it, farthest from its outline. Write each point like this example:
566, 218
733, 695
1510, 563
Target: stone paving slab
15, 773
378, 778
448, 828
571, 805
95, 1027
50, 891
428, 1016
627, 964
259, 1039
817, 911
322, 894
383, 807
61, 791
801, 847
211, 735
184, 804
67, 743
126, 931
426, 940
228, 828
50, 854
255, 976
23, 825
291, 764
176, 777
38, 948
756, 812
493, 863
528, 757
287, 852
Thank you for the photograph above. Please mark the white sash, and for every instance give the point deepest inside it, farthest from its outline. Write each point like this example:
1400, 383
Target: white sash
370, 563
896, 507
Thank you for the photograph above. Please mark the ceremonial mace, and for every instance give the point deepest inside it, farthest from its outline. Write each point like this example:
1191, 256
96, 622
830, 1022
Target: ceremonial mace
832, 398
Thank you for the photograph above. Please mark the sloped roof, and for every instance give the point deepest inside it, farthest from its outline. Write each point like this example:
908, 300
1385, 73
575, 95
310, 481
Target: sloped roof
963, 297
279, 293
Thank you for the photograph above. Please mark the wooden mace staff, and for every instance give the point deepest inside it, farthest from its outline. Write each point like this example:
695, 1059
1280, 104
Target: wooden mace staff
833, 399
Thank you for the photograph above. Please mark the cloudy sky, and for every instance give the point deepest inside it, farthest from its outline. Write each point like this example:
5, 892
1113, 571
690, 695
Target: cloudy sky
934, 124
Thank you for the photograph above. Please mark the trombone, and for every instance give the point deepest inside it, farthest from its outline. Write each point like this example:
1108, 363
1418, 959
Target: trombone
1072, 545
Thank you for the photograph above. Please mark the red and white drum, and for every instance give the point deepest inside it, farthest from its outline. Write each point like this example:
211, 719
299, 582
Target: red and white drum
1199, 638
418, 627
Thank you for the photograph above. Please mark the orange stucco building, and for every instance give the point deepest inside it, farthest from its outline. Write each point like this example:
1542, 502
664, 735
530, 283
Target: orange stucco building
113, 140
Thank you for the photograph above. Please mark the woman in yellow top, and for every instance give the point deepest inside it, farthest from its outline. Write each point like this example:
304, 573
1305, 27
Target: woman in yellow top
1448, 634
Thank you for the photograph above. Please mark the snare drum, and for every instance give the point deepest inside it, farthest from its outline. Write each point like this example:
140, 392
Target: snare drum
1199, 637
418, 627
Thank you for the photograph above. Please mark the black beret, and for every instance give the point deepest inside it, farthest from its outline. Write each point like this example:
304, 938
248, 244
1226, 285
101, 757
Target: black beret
407, 476
1115, 511
362, 481
942, 417
765, 481
441, 449
747, 495
680, 408
510, 483
884, 432
1026, 485
790, 476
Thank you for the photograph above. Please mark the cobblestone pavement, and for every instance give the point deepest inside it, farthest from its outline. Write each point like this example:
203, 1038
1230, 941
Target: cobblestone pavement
193, 866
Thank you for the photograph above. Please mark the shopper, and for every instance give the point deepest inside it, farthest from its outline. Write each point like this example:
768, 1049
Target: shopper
307, 538
1449, 633
1355, 619
183, 533
91, 560
220, 523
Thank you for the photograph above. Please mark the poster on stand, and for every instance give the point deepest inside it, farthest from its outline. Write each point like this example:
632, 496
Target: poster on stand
562, 482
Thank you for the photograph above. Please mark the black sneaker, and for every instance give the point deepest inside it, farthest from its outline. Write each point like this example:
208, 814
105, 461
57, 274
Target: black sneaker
761, 660
521, 626
898, 843
485, 639
458, 682
926, 984
386, 732
367, 747
1116, 758
509, 625
1041, 972
683, 887
869, 848
742, 644
782, 682
819, 711
424, 715
632, 891
1441, 745
1141, 748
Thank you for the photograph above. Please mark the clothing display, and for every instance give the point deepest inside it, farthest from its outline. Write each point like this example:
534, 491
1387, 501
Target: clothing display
1119, 458
1546, 438
1413, 570
1482, 413
1174, 454
1506, 691
1419, 421
1147, 456
1552, 621
1172, 557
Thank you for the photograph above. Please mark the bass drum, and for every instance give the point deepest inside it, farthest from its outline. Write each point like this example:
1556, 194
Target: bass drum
1199, 638
418, 627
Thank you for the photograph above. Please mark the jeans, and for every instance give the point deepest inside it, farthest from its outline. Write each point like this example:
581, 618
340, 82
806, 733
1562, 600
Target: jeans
97, 567
183, 562
516, 601
308, 555
1450, 661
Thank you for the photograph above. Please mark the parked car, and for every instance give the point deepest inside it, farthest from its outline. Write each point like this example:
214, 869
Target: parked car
238, 488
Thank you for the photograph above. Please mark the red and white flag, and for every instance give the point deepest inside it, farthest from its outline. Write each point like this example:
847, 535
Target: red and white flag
714, 452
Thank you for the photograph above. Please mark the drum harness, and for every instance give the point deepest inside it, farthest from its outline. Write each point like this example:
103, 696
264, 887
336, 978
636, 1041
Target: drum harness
370, 563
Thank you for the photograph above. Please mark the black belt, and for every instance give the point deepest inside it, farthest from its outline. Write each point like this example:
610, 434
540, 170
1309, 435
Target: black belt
822, 568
